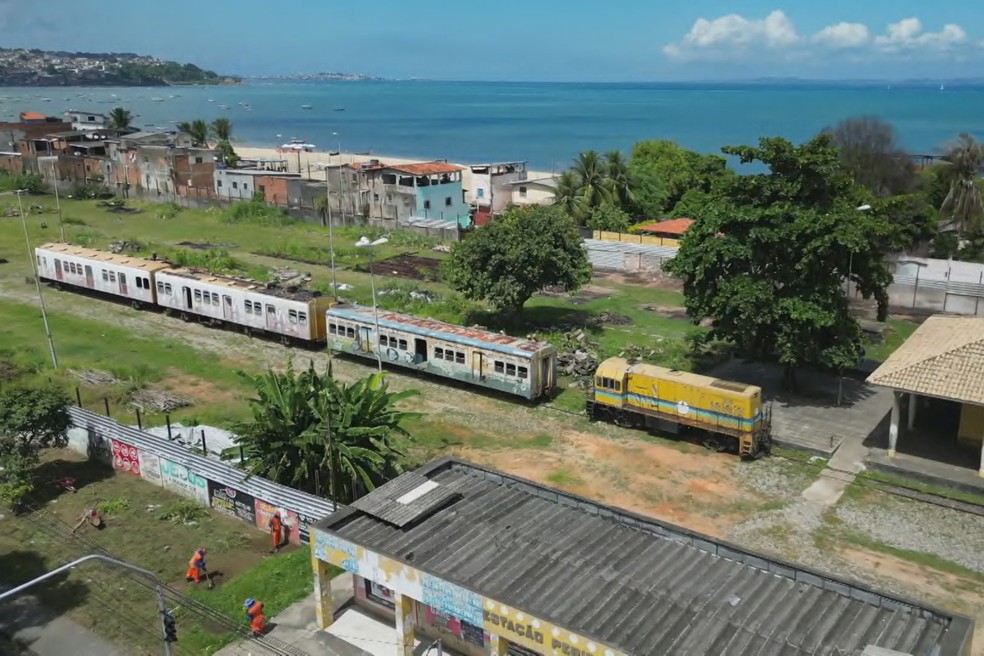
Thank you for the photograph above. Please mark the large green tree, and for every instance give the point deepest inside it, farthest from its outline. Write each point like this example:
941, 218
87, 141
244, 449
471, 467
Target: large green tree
512, 258
870, 152
767, 264
662, 172
315, 434
32, 418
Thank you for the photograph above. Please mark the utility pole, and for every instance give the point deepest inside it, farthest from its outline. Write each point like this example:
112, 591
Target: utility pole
331, 238
167, 622
61, 219
37, 279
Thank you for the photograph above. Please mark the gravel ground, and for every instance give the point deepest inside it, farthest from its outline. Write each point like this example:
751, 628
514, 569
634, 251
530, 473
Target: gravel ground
913, 526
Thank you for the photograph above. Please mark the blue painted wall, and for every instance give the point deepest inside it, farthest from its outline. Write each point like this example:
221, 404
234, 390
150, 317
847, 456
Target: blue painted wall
438, 195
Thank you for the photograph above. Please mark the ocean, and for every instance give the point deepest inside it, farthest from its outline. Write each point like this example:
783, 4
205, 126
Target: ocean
546, 124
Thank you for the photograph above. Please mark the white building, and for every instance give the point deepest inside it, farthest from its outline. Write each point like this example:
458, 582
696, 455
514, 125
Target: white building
86, 120
487, 188
538, 191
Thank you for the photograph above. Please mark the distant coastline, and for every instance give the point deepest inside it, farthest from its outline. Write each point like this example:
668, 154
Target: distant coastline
330, 76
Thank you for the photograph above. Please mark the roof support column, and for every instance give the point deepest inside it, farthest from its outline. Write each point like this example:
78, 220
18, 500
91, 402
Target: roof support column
406, 624
498, 646
893, 429
913, 400
324, 605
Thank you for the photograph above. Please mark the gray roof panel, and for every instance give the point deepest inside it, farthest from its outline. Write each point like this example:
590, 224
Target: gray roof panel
639, 585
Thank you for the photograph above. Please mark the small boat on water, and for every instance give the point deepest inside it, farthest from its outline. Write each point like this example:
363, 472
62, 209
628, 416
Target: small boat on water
223, 106
305, 106
156, 99
339, 109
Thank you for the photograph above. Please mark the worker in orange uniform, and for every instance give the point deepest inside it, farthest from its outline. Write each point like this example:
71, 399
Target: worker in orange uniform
255, 616
276, 526
196, 566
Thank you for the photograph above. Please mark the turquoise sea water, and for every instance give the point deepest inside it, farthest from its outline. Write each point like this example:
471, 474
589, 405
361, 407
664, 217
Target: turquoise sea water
544, 123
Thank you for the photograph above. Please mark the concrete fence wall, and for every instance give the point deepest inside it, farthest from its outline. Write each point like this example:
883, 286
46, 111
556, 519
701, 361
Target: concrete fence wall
214, 484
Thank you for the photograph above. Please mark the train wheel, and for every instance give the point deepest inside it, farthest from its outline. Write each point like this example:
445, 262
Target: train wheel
184, 316
56, 285
135, 305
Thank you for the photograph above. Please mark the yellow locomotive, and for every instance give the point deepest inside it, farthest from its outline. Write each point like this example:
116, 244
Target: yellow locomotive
644, 395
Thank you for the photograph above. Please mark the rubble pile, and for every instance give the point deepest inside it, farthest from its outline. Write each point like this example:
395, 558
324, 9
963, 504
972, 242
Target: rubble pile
158, 400
612, 319
577, 356
94, 376
287, 277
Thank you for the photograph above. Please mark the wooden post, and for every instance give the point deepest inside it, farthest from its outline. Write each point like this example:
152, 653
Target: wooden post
204, 447
167, 418
78, 396
106, 403
139, 422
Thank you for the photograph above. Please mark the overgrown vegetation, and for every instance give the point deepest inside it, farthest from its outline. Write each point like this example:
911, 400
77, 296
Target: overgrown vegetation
29, 182
256, 213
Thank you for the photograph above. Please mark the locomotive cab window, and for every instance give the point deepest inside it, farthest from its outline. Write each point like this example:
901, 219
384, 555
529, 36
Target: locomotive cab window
608, 383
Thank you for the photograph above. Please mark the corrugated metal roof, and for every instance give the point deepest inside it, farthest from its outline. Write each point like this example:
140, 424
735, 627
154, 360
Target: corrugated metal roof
639, 585
944, 357
477, 337
304, 504
406, 499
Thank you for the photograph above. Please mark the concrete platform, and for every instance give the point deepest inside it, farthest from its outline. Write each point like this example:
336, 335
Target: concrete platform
809, 419
925, 470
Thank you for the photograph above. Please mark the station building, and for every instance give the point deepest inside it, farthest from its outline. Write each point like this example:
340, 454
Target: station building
493, 564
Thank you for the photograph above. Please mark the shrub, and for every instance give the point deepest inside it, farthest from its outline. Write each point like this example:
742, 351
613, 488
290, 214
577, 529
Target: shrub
256, 213
31, 183
90, 192
183, 512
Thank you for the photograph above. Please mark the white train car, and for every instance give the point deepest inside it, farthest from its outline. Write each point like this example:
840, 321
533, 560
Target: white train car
293, 315
479, 357
130, 278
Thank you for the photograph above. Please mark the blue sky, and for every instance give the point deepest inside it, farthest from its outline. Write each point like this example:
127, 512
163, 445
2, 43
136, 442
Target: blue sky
618, 40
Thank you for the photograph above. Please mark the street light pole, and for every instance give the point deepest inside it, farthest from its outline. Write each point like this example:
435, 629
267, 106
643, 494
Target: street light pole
331, 237
365, 243
847, 297
37, 279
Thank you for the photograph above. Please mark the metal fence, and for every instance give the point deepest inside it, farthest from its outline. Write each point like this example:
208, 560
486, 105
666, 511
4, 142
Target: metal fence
622, 256
98, 436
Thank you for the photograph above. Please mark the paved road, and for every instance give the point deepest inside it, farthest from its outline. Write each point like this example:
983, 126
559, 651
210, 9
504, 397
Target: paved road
46, 634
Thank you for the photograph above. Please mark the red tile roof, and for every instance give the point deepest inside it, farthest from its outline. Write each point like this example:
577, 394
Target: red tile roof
32, 116
426, 168
671, 227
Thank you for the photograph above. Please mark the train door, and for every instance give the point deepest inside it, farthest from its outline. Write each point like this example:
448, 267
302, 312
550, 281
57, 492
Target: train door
546, 373
88, 276
122, 278
419, 350
186, 291
227, 307
366, 342
58, 270
271, 317
477, 362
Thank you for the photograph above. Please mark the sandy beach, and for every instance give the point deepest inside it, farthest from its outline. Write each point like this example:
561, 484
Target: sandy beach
309, 164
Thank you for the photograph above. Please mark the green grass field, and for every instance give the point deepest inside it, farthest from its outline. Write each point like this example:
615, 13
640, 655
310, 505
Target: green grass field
115, 607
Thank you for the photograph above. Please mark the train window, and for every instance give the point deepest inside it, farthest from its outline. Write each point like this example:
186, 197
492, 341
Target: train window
383, 340
459, 357
510, 369
112, 277
160, 288
167, 288
617, 386
198, 296
146, 283
105, 275
403, 345
499, 366
39, 259
333, 328
71, 267
523, 372
292, 316
139, 283
302, 318
271, 309
438, 353
449, 355
248, 305
350, 332
215, 299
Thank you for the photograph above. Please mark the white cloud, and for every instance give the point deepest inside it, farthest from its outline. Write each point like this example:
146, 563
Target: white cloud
843, 35
735, 32
908, 34
733, 35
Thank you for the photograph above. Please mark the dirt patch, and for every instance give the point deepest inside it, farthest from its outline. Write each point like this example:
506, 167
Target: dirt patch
952, 592
690, 489
653, 280
668, 311
408, 265
585, 294
200, 390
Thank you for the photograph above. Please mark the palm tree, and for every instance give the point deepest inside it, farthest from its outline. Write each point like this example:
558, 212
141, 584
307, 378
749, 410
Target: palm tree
964, 202
221, 129
120, 119
567, 195
307, 429
197, 130
592, 171
620, 186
